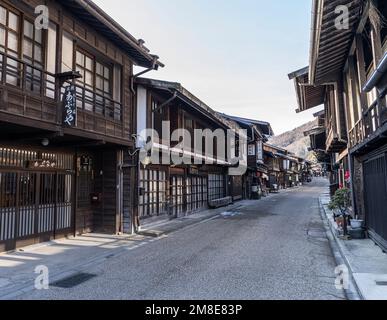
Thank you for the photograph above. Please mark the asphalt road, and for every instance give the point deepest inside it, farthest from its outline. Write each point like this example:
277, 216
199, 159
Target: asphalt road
271, 249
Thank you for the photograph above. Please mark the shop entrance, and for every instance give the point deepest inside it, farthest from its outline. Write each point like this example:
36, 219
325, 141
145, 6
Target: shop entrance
36, 197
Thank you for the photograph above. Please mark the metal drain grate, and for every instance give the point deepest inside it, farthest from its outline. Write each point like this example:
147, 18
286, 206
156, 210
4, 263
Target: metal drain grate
73, 281
381, 283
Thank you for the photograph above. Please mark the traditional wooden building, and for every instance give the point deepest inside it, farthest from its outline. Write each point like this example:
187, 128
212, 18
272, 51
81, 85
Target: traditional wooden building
347, 74
334, 129
282, 167
170, 190
255, 180
303, 171
272, 162
66, 121
291, 169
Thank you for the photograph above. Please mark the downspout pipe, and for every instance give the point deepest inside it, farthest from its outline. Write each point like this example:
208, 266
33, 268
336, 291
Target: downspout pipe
135, 169
153, 67
252, 134
377, 75
174, 96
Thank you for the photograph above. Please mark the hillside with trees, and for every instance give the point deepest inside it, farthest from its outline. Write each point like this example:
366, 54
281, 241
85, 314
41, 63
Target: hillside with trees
295, 141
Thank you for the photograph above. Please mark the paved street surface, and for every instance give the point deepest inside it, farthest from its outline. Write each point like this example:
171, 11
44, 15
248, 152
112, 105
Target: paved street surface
270, 249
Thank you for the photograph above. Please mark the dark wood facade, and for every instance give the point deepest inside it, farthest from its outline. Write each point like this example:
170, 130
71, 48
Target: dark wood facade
285, 169
84, 48
255, 180
169, 190
357, 70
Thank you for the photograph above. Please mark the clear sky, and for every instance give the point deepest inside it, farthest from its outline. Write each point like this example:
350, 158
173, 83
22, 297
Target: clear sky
232, 54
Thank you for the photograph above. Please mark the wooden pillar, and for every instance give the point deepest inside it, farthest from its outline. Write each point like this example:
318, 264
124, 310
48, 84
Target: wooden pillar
119, 192
376, 39
333, 108
377, 52
361, 71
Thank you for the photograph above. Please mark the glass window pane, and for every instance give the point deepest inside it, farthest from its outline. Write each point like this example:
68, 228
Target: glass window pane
12, 41
107, 86
116, 88
80, 58
99, 83
99, 69
82, 73
27, 48
67, 53
28, 29
2, 37
89, 95
107, 73
89, 78
13, 21
89, 63
51, 48
38, 36
3, 16
38, 53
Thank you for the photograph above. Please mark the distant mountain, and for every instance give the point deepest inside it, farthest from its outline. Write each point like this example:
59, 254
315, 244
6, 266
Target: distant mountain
295, 141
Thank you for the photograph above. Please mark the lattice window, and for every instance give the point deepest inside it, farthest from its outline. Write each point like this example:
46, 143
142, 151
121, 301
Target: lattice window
177, 194
216, 188
9, 43
154, 200
33, 54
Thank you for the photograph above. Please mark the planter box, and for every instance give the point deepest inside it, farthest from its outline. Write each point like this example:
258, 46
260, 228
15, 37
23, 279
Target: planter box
223, 202
357, 233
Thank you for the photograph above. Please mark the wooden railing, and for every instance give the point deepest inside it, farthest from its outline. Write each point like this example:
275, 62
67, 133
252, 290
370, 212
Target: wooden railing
370, 122
32, 81
91, 101
23, 75
357, 134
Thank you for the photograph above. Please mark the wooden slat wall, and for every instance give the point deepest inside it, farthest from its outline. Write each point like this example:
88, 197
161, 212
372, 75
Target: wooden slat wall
84, 217
105, 213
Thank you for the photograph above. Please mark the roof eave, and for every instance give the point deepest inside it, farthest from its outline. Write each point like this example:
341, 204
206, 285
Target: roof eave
329, 45
144, 59
187, 97
317, 13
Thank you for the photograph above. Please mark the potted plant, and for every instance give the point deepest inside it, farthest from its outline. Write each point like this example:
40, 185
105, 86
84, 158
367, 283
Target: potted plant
341, 202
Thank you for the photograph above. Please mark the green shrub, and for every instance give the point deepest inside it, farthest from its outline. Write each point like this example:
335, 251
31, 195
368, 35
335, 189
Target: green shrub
341, 200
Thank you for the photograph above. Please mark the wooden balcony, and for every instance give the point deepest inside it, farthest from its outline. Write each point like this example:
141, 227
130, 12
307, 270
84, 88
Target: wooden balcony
334, 143
31, 97
27, 91
373, 120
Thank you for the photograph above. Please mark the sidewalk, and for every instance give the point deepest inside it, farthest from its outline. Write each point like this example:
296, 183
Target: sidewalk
366, 261
67, 257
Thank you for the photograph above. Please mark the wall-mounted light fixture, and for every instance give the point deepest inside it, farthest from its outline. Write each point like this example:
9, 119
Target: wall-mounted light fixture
45, 142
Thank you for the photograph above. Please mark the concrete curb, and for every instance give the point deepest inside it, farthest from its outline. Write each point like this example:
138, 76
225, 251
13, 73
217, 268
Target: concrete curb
339, 252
